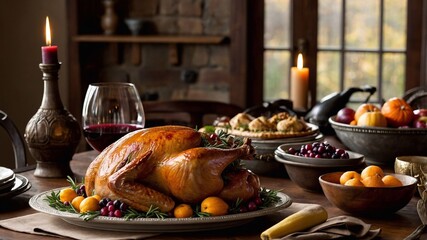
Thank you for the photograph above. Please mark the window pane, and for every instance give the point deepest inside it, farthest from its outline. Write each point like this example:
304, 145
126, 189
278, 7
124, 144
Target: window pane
277, 23
329, 24
393, 75
395, 24
276, 74
328, 73
361, 69
362, 24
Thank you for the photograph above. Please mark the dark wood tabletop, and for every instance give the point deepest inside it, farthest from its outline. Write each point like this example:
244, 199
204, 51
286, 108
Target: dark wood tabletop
394, 226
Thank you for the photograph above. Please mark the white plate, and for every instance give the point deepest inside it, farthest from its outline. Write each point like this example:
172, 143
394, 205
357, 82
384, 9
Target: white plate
5, 174
21, 185
38, 203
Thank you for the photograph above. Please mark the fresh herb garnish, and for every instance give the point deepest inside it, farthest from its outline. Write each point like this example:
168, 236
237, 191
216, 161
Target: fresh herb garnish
268, 197
87, 216
73, 183
235, 207
151, 213
53, 201
198, 212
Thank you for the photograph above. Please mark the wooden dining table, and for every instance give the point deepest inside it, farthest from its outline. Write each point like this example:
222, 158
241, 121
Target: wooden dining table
394, 226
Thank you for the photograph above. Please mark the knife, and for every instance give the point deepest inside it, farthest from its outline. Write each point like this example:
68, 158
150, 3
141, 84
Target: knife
422, 213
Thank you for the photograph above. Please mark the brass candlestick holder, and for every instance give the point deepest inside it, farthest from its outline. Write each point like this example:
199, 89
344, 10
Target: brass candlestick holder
52, 134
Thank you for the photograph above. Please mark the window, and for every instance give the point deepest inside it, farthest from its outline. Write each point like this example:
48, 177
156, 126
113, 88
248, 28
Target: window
349, 43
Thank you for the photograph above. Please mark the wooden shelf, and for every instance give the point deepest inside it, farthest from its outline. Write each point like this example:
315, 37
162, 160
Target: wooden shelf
151, 39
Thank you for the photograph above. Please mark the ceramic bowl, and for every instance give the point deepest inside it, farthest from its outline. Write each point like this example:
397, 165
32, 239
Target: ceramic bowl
413, 166
354, 158
368, 200
305, 172
265, 168
380, 145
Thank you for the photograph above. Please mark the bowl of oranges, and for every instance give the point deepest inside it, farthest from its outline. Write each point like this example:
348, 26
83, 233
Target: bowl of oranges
368, 192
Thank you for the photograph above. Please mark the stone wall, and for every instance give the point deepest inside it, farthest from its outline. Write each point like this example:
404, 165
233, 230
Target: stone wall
202, 70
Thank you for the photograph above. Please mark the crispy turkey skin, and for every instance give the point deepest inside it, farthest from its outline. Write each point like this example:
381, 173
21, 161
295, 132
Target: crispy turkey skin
162, 165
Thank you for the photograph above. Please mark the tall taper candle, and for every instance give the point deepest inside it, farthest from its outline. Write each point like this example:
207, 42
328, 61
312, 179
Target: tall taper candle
49, 53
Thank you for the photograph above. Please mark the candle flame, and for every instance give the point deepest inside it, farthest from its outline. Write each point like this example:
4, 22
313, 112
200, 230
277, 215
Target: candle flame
48, 37
299, 61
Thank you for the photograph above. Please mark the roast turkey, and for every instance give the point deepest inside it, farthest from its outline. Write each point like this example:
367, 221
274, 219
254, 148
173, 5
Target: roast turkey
161, 166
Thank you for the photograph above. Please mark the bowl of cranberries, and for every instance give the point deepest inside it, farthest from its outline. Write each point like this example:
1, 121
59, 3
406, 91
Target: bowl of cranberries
304, 163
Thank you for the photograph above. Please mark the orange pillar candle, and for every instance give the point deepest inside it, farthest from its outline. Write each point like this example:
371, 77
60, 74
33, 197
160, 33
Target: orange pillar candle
299, 85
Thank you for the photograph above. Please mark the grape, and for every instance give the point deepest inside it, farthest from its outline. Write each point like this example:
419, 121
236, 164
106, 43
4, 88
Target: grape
116, 204
252, 206
81, 191
104, 211
243, 209
111, 208
123, 207
292, 150
319, 150
118, 213
258, 201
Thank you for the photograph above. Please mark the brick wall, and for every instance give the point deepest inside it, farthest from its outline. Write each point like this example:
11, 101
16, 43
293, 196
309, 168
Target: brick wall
202, 71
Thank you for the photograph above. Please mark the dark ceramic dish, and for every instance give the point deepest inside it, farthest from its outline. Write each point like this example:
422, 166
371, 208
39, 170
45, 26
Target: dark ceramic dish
381, 145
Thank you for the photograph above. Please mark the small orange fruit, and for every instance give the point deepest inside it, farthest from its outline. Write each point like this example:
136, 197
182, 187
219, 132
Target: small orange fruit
349, 175
354, 182
391, 181
215, 206
76, 202
89, 204
183, 211
373, 181
67, 195
97, 197
372, 170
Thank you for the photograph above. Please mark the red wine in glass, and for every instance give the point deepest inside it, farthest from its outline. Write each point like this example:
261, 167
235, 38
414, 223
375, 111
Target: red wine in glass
100, 136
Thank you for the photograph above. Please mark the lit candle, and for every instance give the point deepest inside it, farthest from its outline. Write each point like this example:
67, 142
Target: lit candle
49, 53
299, 85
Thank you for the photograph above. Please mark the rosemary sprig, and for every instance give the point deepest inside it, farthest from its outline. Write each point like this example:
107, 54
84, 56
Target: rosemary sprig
236, 206
53, 201
73, 183
222, 140
268, 197
151, 213
87, 216
199, 213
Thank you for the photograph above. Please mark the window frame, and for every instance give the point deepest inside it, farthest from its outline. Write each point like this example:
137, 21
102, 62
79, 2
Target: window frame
304, 26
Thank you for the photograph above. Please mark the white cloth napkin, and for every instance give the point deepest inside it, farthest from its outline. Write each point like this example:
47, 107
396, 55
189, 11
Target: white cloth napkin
44, 224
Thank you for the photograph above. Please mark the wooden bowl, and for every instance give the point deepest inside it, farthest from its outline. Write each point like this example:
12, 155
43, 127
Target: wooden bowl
368, 200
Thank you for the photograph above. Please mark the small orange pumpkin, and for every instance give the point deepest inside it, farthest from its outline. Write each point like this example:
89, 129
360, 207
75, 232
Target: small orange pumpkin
372, 119
397, 112
365, 107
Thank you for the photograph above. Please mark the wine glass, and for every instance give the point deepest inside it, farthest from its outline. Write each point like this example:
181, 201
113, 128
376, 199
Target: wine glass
110, 111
